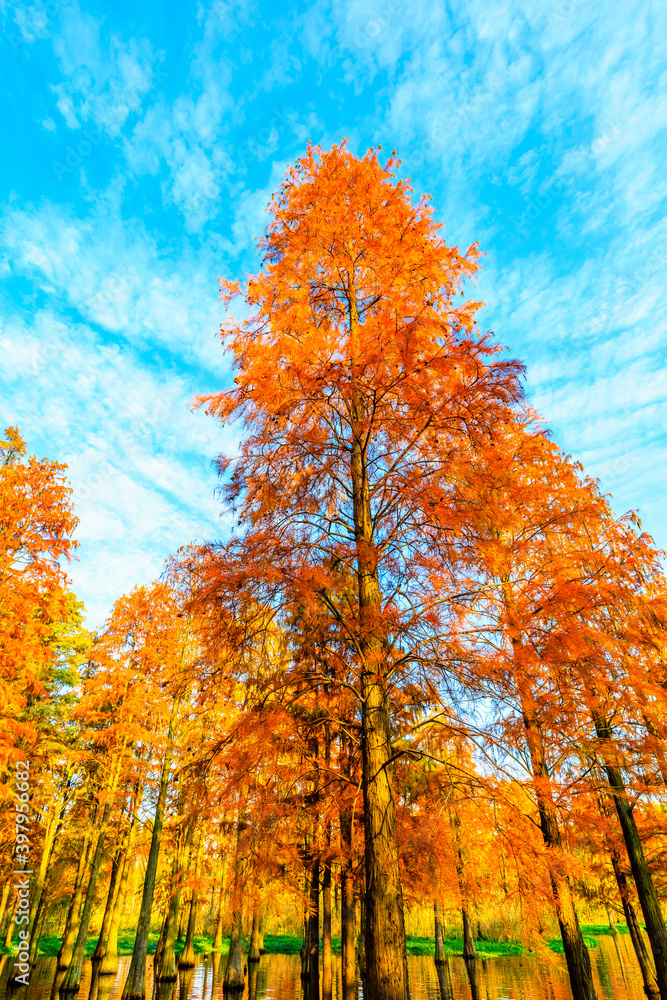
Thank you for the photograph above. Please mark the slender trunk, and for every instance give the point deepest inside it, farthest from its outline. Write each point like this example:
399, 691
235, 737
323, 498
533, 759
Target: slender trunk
187, 959
72, 922
305, 943
326, 920
576, 953
72, 980
384, 925
234, 980
439, 943
314, 930
469, 950
260, 931
135, 984
638, 943
217, 940
648, 898
253, 950
347, 908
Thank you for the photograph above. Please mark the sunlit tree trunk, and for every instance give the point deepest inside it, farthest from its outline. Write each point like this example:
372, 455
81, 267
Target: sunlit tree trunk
314, 929
217, 940
347, 908
11, 926
326, 920
469, 950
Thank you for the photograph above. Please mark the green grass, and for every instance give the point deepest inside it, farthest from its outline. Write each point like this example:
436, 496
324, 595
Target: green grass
288, 944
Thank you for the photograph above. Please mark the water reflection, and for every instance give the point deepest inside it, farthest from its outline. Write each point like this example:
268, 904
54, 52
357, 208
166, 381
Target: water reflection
278, 977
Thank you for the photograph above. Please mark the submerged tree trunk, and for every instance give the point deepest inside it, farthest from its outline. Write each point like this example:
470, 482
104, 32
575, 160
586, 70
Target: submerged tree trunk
135, 984
648, 898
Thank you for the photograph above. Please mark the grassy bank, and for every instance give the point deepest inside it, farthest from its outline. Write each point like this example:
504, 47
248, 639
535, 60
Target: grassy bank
286, 944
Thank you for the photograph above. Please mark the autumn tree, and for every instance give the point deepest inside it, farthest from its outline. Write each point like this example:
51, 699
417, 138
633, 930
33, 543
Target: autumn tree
357, 373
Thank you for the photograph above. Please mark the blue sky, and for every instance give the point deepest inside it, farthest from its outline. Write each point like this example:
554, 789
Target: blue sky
142, 144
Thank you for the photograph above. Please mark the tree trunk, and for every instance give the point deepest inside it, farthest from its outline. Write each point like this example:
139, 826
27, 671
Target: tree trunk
576, 953
326, 922
109, 966
314, 931
72, 922
638, 943
253, 950
217, 940
135, 984
648, 898
469, 950
114, 885
165, 962
347, 909
72, 980
187, 959
40, 920
234, 980
384, 925
439, 943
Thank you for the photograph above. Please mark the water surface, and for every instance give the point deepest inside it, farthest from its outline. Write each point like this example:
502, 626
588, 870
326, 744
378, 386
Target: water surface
277, 977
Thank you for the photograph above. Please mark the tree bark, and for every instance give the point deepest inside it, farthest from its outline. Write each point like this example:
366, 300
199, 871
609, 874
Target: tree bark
3, 903
347, 909
135, 984
109, 966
